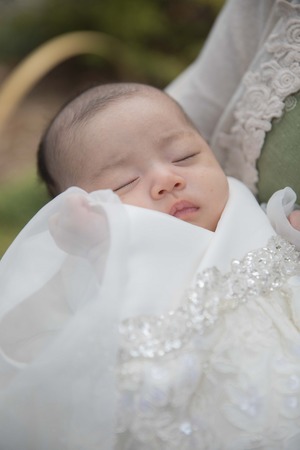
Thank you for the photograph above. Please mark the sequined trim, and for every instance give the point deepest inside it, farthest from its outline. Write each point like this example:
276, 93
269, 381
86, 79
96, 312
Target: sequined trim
213, 294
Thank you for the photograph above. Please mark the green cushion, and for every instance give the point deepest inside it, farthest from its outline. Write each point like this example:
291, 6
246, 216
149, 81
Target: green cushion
279, 162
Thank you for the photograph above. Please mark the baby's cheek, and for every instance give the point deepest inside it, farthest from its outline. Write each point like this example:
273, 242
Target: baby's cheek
133, 199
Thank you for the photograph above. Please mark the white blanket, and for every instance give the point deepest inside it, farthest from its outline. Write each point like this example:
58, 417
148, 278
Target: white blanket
97, 352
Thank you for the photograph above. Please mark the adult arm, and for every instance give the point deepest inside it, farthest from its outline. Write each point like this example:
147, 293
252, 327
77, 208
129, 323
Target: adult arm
206, 87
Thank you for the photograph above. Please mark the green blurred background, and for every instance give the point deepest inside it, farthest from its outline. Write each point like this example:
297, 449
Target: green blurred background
159, 38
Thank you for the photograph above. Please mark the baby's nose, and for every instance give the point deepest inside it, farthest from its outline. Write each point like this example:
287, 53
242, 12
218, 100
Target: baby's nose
165, 183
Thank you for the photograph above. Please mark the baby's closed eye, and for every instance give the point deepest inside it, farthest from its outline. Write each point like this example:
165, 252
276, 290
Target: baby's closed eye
125, 185
185, 158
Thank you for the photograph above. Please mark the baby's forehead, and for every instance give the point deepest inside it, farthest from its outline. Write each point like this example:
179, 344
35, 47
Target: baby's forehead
126, 116
137, 105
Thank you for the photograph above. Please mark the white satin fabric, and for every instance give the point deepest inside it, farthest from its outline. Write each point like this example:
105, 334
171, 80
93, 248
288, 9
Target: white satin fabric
59, 312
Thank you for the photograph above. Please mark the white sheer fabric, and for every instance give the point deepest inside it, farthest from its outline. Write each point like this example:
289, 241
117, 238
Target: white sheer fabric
59, 318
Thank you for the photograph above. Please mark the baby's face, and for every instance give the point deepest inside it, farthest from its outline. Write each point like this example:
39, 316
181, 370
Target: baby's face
145, 151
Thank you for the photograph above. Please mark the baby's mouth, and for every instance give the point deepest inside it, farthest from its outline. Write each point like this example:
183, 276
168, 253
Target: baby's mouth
183, 209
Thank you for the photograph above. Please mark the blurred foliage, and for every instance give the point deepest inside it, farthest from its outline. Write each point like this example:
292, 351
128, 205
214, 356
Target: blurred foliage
169, 32
20, 199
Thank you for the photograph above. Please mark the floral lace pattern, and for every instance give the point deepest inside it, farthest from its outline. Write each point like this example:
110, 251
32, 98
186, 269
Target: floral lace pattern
185, 383
290, 103
263, 98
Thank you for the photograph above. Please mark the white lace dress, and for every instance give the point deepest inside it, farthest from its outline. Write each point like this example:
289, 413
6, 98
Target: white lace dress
132, 350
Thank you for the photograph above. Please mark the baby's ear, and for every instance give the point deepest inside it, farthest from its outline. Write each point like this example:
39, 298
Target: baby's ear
294, 219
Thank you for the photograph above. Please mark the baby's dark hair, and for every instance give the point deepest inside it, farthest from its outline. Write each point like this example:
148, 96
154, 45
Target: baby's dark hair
59, 140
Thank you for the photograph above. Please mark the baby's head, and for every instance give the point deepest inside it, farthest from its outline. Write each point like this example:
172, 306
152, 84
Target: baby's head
137, 141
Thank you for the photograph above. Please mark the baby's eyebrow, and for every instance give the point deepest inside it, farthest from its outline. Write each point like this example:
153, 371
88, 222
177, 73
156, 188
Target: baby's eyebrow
109, 167
117, 162
176, 135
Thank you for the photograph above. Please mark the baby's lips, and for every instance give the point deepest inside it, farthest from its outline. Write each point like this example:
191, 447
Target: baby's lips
181, 205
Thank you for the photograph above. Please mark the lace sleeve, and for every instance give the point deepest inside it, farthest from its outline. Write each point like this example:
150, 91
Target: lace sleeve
205, 88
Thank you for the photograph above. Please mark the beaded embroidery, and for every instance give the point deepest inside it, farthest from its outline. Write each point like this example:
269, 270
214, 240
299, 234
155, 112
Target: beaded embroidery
258, 274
